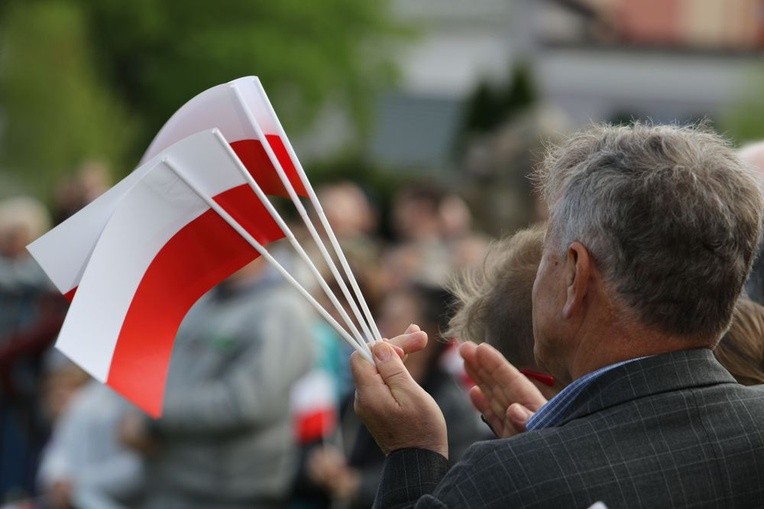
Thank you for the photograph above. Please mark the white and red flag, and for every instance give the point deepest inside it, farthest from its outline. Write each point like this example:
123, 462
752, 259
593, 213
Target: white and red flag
240, 110
161, 249
314, 405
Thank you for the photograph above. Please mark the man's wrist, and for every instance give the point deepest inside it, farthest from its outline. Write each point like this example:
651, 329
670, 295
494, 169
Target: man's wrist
399, 486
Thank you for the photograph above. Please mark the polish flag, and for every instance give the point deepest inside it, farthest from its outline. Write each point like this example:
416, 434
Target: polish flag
162, 248
314, 406
241, 111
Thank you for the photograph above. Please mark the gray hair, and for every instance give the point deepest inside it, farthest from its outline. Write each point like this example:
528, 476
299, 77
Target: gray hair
493, 300
670, 214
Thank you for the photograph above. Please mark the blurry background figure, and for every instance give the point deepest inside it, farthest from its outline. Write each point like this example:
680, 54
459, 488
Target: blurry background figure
73, 192
352, 216
225, 438
418, 225
84, 464
31, 312
741, 349
494, 302
753, 154
433, 235
22, 220
61, 381
348, 474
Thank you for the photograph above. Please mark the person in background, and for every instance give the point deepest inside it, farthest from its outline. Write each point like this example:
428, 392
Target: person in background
91, 179
493, 303
753, 155
84, 464
418, 225
31, 313
741, 349
225, 438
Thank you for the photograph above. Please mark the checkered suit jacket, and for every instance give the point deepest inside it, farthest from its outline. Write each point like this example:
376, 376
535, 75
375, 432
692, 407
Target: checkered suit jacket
673, 430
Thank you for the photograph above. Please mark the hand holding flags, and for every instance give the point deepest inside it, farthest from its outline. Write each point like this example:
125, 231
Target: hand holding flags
193, 213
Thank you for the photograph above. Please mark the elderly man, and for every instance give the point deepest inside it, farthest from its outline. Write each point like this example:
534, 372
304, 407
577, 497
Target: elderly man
652, 232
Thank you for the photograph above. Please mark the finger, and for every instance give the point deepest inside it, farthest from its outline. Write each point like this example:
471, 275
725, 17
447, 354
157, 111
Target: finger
517, 416
494, 421
477, 372
410, 342
391, 368
494, 371
365, 374
479, 401
398, 349
412, 328
467, 352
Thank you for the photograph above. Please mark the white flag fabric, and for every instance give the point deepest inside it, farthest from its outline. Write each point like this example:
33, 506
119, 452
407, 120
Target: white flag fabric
239, 109
161, 249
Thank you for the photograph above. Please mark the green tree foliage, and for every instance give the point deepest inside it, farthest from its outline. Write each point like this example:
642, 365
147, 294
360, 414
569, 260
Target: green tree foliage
745, 120
153, 55
56, 110
488, 107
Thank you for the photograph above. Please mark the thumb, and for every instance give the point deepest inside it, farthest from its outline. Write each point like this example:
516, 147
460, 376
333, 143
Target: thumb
390, 366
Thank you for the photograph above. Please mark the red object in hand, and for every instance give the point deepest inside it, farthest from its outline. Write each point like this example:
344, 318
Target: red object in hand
544, 378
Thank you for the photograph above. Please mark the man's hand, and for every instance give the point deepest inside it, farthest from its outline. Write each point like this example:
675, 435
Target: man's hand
396, 410
504, 396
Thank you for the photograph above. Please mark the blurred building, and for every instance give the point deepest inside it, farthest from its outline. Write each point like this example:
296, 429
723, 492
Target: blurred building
458, 45
662, 59
668, 60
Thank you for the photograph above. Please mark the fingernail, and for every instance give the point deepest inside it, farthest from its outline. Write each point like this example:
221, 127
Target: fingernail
382, 352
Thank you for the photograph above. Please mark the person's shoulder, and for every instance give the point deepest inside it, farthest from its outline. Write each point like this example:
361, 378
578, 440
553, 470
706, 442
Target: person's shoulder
523, 450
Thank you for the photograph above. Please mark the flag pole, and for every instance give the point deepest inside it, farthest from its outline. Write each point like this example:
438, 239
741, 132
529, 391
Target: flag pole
319, 210
265, 254
290, 237
312, 229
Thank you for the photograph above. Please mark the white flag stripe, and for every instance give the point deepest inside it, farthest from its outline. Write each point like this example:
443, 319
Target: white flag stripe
214, 107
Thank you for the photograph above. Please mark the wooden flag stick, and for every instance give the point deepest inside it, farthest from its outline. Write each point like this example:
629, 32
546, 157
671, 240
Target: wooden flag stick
265, 254
291, 238
364, 318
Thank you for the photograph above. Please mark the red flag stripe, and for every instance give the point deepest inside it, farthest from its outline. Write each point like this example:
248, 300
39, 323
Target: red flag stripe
255, 159
196, 258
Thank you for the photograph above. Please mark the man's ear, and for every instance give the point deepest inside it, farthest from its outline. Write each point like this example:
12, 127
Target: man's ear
578, 269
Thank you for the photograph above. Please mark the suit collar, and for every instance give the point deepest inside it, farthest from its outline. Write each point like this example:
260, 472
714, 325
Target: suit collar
652, 375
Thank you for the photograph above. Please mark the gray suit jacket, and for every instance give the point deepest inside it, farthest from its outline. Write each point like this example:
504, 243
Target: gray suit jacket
673, 430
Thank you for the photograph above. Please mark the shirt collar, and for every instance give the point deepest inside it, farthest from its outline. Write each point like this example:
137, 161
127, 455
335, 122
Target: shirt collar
554, 410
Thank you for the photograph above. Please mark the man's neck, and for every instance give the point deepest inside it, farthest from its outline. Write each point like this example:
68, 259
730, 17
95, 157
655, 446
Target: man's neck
620, 342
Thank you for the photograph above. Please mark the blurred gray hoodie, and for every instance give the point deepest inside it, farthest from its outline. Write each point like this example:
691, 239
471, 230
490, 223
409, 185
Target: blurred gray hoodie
226, 437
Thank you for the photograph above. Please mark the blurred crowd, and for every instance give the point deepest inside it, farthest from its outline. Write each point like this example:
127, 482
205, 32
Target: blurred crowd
258, 406
259, 402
